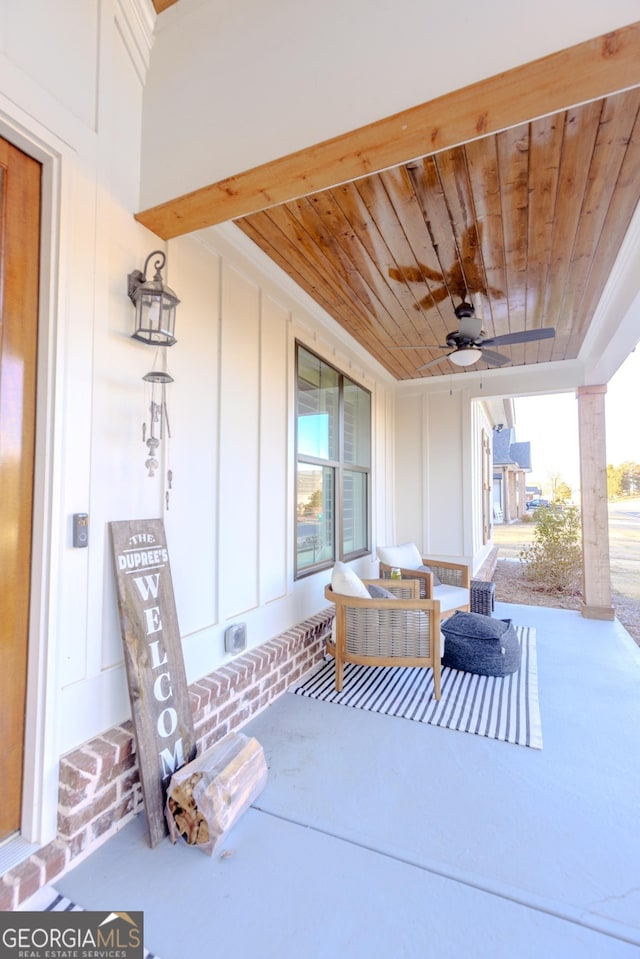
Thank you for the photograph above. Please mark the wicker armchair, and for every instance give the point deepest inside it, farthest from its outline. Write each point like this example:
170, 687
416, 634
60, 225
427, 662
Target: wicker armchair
454, 591
403, 631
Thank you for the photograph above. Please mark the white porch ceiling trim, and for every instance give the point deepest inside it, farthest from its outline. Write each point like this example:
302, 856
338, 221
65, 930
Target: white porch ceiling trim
615, 330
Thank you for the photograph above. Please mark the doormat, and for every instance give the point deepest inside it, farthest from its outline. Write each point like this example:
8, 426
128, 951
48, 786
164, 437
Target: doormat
48, 899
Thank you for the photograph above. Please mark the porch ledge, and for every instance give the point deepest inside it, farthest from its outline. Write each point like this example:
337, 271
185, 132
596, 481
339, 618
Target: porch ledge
488, 568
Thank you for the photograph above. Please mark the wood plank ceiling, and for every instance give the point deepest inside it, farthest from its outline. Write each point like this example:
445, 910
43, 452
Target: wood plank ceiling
527, 223
524, 216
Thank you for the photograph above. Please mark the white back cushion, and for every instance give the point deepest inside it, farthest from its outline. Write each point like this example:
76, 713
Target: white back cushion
406, 556
348, 583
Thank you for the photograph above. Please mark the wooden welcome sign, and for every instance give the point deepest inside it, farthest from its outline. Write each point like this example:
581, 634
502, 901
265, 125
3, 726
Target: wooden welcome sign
162, 720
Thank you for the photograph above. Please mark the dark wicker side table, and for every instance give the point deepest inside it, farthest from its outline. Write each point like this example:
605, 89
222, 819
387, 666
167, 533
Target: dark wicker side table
483, 596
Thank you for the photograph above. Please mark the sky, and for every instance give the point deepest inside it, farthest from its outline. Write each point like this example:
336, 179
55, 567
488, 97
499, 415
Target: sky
550, 424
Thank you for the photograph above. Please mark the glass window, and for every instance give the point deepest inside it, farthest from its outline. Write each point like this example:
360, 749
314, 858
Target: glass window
318, 406
355, 510
357, 424
315, 515
333, 465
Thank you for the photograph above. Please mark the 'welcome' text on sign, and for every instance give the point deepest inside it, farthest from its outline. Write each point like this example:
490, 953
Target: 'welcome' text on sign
161, 713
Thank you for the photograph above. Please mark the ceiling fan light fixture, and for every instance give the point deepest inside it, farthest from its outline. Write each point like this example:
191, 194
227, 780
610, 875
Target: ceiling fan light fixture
465, 356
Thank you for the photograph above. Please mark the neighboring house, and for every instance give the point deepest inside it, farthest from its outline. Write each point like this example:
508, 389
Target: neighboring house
511, 463
84, 90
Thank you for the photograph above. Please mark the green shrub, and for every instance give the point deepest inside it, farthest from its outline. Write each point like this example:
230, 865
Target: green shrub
554, 559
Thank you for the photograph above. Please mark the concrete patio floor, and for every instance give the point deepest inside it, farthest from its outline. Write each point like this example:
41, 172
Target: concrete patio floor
381, 837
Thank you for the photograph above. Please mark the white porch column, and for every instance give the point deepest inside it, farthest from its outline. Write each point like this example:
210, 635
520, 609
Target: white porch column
596, 568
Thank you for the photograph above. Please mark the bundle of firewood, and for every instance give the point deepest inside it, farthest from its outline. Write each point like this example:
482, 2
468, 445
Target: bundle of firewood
207, 796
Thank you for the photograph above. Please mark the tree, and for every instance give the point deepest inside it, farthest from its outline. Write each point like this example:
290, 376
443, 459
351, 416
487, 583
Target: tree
614, 482
562, 493
630, 479
623, 480
314, 503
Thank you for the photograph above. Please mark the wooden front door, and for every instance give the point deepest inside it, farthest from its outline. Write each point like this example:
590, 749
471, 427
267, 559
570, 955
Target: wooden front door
19, 268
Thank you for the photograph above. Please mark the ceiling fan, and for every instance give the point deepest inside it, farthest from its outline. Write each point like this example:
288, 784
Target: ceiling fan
467, 343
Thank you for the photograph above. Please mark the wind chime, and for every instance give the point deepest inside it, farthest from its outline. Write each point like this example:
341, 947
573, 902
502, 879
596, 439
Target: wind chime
158, 425
155, 322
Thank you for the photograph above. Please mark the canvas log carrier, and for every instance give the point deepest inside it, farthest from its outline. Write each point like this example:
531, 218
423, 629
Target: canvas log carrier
207, 797
160, 709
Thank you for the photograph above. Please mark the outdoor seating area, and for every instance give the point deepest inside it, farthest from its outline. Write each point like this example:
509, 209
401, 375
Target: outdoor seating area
476, 844
398, 619
382, 623
447, 582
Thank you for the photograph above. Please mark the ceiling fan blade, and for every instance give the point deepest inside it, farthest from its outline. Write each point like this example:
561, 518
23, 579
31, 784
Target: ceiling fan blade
493, 358
470, 327
524, 336
434, 362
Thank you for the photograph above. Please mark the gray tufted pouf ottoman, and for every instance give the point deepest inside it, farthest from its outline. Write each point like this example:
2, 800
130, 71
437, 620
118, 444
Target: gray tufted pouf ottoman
478, 644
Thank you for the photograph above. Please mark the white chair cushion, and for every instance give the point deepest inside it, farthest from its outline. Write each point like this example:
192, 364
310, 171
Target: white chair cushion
450, 597
348, 583
406, 556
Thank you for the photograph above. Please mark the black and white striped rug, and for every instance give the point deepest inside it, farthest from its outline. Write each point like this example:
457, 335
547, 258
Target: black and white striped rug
48, 899
504, 708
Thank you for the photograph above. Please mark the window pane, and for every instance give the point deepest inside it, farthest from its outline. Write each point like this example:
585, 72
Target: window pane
314, 518
317, 413
354, 512
357, 425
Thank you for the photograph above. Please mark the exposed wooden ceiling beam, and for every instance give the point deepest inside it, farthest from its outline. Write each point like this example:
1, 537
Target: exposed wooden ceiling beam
592, 69
161, 5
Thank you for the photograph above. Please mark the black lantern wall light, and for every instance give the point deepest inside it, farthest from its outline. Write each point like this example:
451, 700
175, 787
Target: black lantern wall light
155, 305
155, 323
